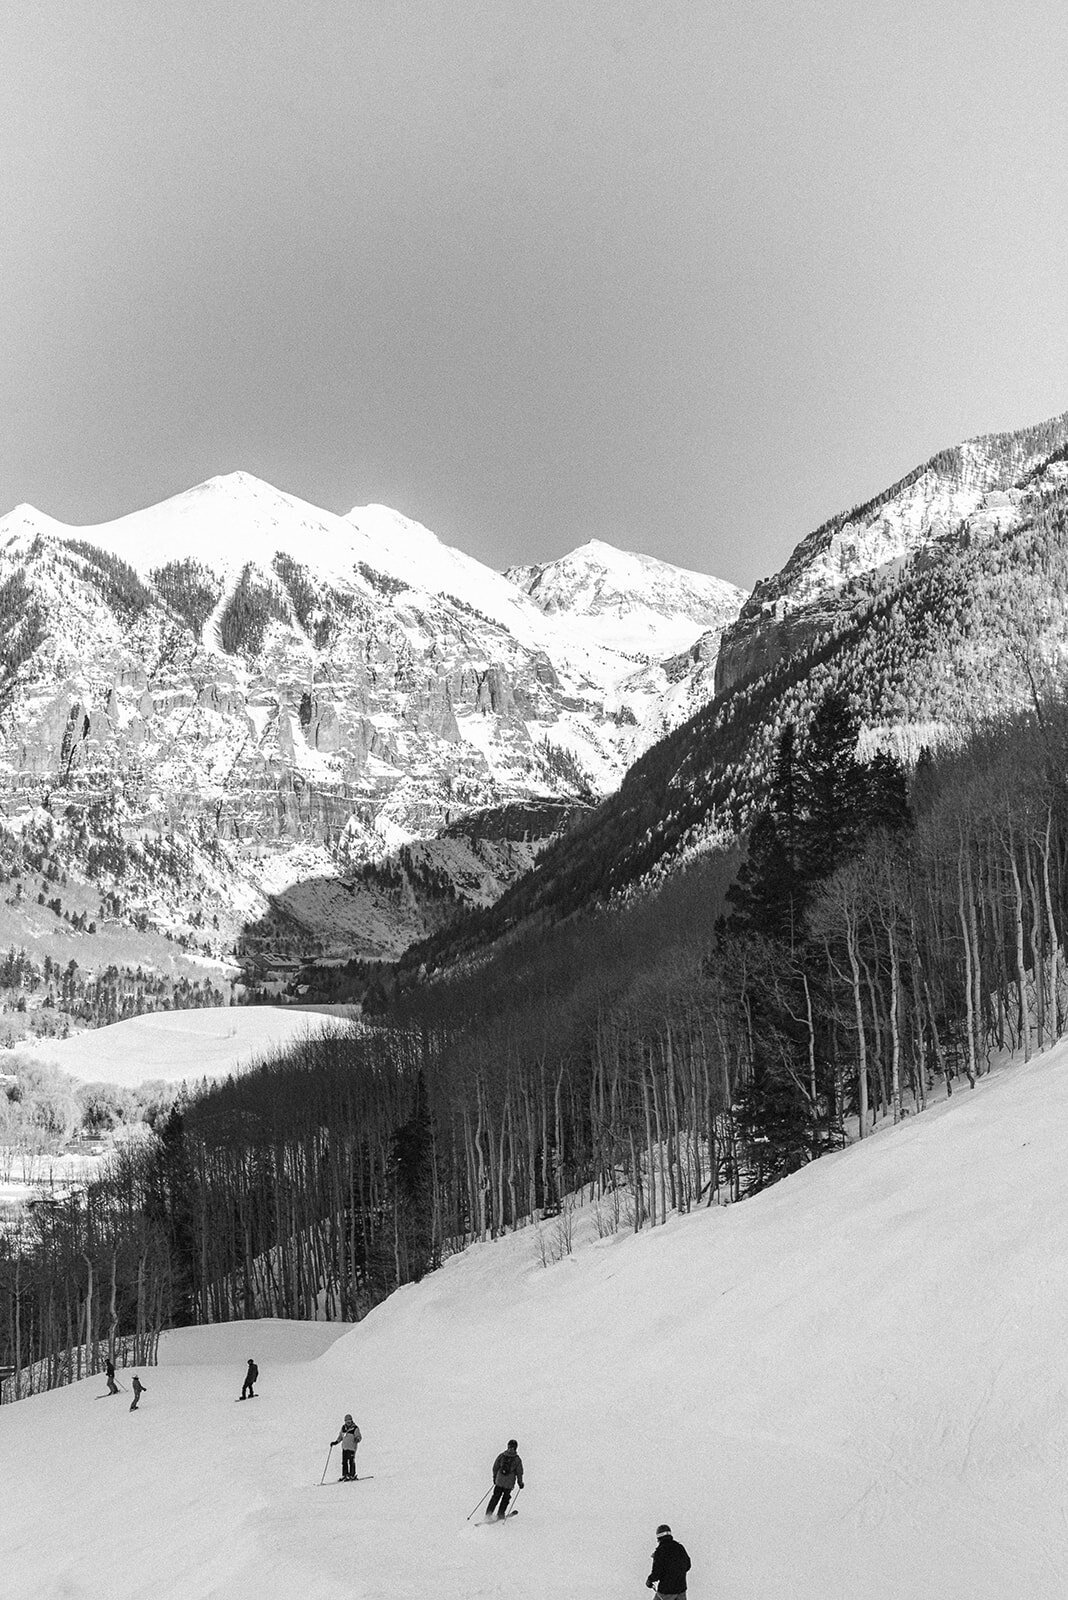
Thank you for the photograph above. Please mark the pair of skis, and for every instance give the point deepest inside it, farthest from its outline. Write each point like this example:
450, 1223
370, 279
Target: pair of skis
357, 1479
493, 1517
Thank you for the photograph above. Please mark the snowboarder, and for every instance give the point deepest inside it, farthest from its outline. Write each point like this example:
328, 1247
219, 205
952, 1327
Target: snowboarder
138, 1391
507, 1472
670, 1566
109, 1373
248, 1390
348, 1439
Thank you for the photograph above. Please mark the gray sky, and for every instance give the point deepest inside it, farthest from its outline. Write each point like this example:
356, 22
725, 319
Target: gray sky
688, 277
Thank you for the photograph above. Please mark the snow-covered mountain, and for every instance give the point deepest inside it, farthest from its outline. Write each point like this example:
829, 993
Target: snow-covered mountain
981, 484
312, 705
630, 603
937, 608
667, 620
853, 1384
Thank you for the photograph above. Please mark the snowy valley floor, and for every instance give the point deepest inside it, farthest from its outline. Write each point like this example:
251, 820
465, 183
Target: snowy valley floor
169, 1046
853, 1387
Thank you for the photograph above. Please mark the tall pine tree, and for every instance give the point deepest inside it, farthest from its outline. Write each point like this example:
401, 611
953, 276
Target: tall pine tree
832, 788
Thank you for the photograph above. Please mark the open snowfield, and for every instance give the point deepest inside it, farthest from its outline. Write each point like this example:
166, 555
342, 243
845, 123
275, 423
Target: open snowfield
210, 1042
853, 1387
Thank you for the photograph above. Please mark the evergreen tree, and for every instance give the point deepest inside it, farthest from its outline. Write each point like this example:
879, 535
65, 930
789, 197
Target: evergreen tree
831, 783
785, 799
413, 1166
887, 797
170, 1206
765, 896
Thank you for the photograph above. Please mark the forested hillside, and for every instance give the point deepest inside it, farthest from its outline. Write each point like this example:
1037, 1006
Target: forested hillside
967, 631
884, 941
840, 890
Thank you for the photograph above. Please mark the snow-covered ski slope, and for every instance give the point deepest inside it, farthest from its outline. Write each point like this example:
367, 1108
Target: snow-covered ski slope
175, 1046
853, 1387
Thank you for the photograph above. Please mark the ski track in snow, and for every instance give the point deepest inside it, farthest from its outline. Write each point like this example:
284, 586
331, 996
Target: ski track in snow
854, 1385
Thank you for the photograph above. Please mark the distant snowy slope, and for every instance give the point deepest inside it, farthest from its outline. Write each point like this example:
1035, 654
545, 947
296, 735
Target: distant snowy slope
394, 544
227, 521
854, 1385
629, 602
290, 695
210, 1042
236, 520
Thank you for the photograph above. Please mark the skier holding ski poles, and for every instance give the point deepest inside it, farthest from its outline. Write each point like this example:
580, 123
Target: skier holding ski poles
507, 1472
348, 1438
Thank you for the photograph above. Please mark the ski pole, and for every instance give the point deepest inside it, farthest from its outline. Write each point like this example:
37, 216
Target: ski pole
486, 1496
329, 1453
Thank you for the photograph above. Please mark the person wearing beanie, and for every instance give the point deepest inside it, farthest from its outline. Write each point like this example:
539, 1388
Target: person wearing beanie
507, 1472
670, 1566
348, 1438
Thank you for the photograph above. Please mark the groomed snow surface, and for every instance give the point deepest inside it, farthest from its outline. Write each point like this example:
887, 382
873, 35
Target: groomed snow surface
853, 1387
172, 1046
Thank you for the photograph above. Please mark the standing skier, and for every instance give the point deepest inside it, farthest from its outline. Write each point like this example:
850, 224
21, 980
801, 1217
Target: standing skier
670, 1566
247, 1388
109, 1373
507, 1472
138, 1391
348, 1439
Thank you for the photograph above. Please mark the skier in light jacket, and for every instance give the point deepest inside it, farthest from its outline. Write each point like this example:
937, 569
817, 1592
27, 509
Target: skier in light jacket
348, 1438
507, 1472
138, 1391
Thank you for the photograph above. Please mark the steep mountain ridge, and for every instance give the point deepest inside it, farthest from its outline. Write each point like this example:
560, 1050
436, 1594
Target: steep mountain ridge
979, 482
305, 704
969, 626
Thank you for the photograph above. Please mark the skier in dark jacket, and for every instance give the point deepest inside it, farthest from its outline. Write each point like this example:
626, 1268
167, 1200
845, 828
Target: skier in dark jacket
670, 1565
138, 1391
507, 1472
109, 1373
248, 1387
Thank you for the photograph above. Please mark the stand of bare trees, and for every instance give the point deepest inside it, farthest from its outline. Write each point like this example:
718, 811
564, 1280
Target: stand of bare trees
83, 1280
877, 948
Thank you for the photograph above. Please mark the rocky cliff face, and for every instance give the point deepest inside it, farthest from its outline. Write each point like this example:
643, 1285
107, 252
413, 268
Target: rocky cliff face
979, 483
293, 696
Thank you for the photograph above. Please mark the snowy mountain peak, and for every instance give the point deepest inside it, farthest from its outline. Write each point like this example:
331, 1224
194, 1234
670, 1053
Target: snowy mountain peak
24, 523
317, 691
635, 603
